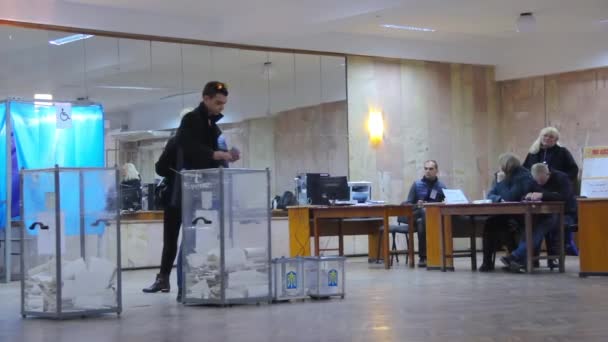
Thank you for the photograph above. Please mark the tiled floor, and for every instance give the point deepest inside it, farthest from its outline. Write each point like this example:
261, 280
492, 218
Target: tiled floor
396, 305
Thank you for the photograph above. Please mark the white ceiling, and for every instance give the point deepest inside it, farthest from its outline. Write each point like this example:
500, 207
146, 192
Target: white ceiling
571, 34
148, 80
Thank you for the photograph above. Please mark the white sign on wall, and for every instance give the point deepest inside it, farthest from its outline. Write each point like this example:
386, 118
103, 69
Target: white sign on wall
594, 183
63, 113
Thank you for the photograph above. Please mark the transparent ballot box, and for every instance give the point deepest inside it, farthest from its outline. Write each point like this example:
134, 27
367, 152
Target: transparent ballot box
288, 279
71, 217
324, 276
226, 237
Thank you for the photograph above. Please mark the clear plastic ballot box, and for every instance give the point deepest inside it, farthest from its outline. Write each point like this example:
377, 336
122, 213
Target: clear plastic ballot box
288, 279
226, 238
325, 276
71, 216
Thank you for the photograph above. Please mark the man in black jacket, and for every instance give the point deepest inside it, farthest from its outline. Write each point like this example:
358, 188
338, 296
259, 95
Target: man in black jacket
194, 147
556, 186
551, 186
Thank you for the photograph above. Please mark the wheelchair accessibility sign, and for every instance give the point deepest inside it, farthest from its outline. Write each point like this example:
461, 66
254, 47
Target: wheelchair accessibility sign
63, 113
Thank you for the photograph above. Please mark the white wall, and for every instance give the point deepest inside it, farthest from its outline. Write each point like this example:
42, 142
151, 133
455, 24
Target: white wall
160, 115
535, 57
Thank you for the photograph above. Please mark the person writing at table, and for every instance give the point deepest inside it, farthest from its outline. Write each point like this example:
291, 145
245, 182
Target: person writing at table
427, 189
513, 183
551, 186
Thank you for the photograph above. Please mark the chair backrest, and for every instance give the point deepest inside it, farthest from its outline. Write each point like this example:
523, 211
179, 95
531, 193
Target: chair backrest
462, 226
403, 219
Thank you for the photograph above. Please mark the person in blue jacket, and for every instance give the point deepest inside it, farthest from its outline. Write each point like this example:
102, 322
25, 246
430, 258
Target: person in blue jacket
427, 189
513, 183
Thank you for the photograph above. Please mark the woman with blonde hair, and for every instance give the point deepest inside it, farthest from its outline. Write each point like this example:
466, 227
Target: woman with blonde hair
546, 149
130, 187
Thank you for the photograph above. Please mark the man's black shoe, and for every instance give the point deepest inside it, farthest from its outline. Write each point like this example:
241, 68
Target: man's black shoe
161, 284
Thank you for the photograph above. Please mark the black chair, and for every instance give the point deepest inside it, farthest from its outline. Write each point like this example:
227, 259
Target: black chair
402, 227
554, 262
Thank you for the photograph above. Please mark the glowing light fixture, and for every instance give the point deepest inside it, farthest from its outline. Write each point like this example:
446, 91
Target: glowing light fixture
43, 99
408, 28
375, 126
70, 39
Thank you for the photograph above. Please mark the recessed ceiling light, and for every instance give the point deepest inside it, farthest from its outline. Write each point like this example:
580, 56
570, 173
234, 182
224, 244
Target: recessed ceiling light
70, 39
129, 87
408, 28
48, 97
43, 99
604, 21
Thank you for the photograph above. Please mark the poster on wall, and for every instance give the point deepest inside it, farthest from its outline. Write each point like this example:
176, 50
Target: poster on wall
594, 182
63, 113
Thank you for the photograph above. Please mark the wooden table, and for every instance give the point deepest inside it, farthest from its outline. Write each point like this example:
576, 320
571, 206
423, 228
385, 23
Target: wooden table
301, 216
593, 236
439, 217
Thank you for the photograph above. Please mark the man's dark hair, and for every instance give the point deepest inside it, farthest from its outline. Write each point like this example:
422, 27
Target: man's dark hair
434, 162
215, 87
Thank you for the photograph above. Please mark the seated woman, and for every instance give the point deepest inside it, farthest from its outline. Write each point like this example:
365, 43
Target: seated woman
513, 183
130, 187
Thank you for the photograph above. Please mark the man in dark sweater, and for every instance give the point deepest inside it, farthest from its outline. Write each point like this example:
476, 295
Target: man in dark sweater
556, 186
551, 186
427, 189
194, 147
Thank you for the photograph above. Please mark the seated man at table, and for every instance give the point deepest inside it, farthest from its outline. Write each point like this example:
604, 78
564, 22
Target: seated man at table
513, 183
551, 186
554, 185
427, 189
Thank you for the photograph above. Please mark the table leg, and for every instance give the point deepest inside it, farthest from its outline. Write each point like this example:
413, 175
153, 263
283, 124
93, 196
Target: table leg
340, 239
562, 247
473, 245
410, 242
529, 242
385, 244
442, 234
315, 223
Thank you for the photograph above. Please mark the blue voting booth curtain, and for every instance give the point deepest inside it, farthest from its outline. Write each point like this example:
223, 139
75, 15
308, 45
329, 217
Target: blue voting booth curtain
2, 165
40, 144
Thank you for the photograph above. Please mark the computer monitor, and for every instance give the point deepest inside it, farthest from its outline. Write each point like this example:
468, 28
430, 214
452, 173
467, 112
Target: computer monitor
308, 188
334, 188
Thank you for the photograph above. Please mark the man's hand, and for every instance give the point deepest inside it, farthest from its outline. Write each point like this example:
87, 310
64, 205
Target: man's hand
500, 176
534, 196
221, 155
235, 153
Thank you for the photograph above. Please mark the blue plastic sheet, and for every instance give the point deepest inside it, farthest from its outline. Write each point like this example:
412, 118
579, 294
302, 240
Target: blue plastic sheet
39, 144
